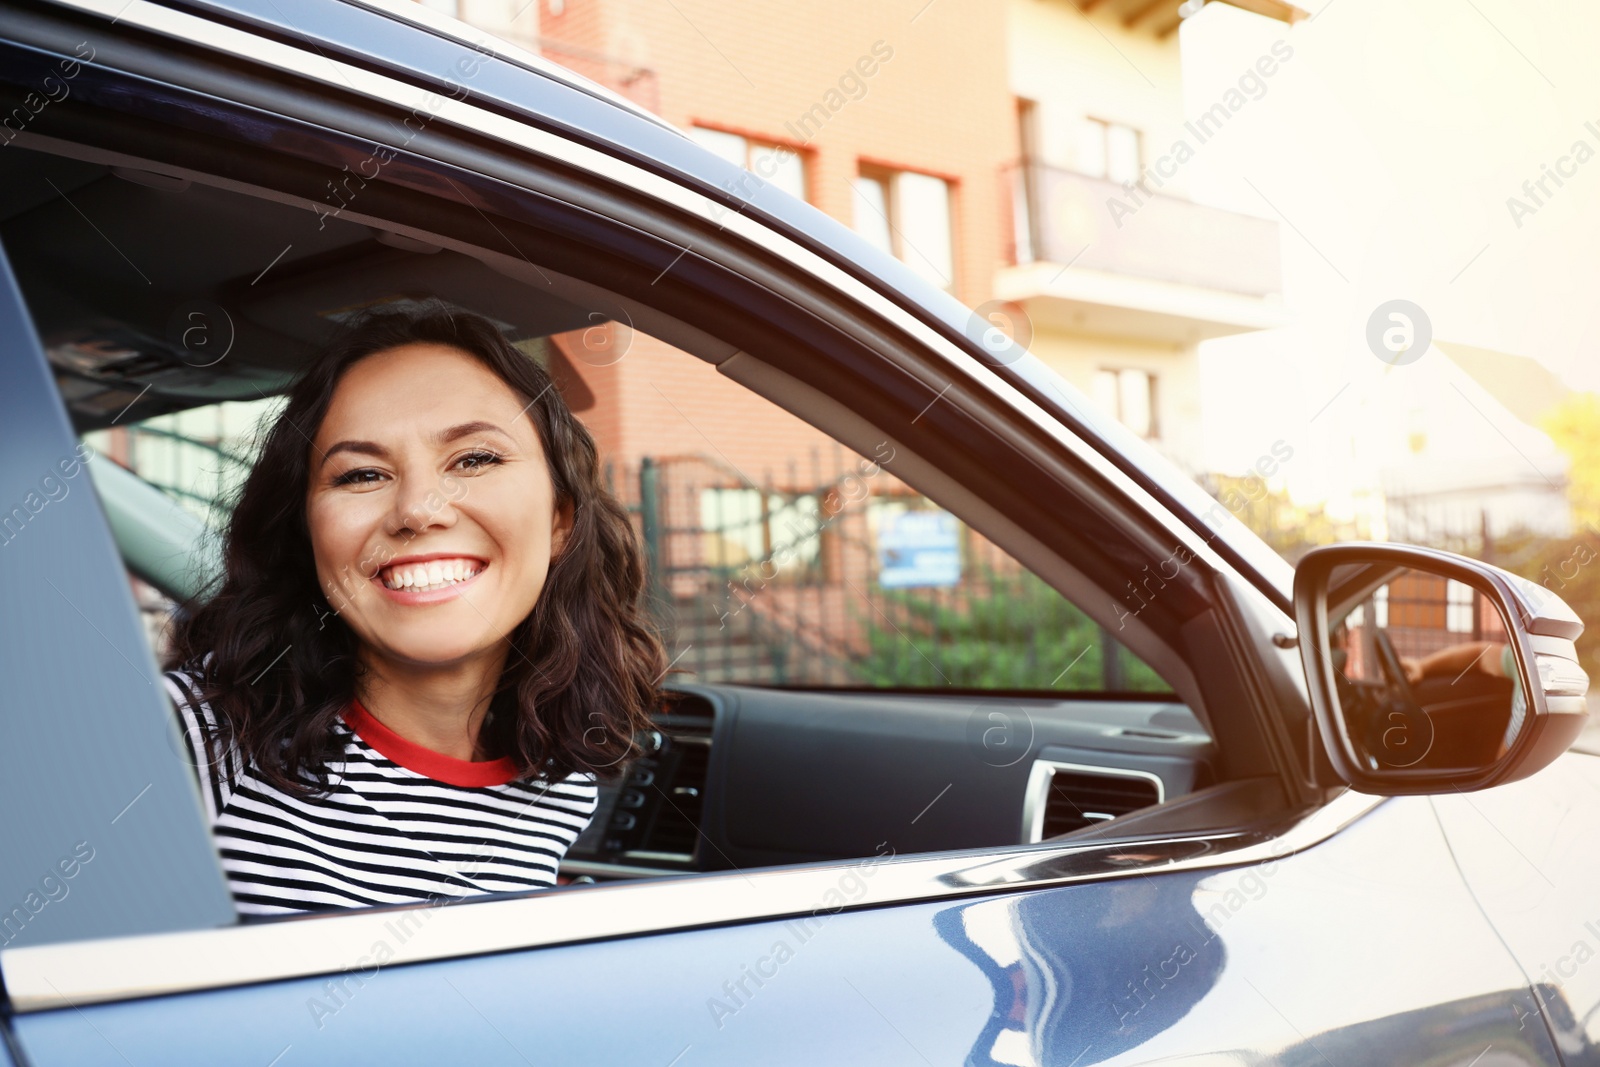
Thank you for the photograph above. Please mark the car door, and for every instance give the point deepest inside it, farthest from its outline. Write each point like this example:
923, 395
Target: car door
1334, 929
1363, 948
1527, 852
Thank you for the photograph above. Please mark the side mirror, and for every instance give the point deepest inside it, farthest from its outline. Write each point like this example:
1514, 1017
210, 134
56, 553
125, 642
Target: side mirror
1431, 672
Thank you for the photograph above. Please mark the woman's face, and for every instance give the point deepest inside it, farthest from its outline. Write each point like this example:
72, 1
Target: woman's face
430, 506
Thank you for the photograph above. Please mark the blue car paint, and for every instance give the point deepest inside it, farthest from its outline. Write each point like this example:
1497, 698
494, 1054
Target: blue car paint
1365, 949
1531, 853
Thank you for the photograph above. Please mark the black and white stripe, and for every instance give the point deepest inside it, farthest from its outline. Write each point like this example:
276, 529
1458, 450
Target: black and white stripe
384, 834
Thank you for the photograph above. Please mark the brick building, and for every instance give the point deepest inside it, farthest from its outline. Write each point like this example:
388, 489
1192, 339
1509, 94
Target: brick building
897, 125
1017, 153
894, 124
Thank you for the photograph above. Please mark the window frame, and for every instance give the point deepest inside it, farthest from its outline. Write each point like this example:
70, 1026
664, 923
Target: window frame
1152, 400
1149, 522
888, 177
1102, 133
752, 142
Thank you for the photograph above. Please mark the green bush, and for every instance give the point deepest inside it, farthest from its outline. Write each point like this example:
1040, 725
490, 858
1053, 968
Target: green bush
999, 632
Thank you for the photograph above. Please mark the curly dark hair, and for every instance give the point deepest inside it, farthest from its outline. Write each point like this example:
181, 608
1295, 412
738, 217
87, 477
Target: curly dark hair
585, 667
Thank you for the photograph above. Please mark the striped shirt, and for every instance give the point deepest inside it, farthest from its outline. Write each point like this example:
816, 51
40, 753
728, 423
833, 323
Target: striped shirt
400, 823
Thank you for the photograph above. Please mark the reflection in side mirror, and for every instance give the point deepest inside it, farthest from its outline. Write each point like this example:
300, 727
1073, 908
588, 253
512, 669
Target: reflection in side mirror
1431, 672
1425, 670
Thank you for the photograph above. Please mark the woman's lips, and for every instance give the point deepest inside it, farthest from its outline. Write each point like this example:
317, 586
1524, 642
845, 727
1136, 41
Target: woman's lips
428, 596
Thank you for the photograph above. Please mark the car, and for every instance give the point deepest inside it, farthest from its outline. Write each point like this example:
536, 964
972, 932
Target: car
871, 824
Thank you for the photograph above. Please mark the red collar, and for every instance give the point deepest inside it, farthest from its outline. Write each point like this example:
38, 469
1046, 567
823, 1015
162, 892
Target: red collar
425, 761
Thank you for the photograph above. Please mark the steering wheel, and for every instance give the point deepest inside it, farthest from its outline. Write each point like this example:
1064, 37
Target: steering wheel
1401, 734
1389, 661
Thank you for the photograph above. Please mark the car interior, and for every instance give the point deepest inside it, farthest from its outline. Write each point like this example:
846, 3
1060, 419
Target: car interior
158, 295
1459, 715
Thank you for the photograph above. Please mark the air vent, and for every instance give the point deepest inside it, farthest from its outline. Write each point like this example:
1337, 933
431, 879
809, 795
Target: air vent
678, 796
1067, 797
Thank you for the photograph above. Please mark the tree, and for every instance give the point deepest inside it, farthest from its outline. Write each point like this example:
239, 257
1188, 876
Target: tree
1571, 566
1574, 425
1271, 514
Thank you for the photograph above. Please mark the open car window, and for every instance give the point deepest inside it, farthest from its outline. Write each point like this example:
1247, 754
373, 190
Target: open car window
859, 653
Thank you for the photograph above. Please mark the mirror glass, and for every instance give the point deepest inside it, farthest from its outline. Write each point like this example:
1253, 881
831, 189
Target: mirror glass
1424, 668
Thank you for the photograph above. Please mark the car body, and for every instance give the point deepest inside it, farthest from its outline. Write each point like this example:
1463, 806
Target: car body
1261, 914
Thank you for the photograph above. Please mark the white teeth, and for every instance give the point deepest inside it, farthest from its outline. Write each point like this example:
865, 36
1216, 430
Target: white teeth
434, 574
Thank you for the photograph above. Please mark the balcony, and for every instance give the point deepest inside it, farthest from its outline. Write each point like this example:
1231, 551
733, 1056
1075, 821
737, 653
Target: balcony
1160, 18
1091, 257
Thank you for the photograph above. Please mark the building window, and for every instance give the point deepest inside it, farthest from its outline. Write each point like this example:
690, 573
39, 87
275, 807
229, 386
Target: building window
1023, 182
1130, 395
1380, 615
1461, 600
908, 215
743, 527
775, 163
1109, 150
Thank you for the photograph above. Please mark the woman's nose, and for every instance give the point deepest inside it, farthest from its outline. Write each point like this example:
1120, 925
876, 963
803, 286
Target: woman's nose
421, 504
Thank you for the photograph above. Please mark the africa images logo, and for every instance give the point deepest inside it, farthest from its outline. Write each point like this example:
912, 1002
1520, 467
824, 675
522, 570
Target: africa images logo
1399, 332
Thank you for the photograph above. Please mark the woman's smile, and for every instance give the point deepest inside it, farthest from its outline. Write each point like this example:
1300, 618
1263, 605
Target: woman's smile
429, 579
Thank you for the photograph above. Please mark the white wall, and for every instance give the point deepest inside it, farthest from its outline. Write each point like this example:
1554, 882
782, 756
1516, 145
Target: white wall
1060, 61
1076, 358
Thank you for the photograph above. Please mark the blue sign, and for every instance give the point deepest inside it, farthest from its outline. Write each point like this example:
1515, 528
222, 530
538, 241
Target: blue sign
919, 548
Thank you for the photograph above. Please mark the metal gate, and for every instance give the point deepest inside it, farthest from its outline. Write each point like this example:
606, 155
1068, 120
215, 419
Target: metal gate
790, 584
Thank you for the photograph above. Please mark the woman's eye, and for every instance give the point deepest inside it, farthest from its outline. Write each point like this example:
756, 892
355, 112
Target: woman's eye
359, 476
477, 460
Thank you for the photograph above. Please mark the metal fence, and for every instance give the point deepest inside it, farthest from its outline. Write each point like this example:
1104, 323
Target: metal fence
199, 473
840, 576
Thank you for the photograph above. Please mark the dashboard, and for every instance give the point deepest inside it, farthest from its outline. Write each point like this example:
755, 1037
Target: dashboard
735, 776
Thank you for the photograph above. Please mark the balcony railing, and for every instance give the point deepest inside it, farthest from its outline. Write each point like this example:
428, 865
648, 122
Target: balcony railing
1061, 216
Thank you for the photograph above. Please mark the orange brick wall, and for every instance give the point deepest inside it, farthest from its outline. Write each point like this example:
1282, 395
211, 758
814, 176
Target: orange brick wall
659, 401
939, 104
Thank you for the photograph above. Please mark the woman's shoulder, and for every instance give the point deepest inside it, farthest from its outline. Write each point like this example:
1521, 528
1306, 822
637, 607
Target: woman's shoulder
579, 788
204, 731
207, 748
186, 686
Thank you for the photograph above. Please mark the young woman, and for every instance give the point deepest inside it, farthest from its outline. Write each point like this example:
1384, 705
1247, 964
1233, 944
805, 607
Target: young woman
427, 642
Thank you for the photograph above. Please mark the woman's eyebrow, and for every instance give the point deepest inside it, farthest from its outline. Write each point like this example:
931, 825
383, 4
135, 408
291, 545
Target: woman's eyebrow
444, 437
365, 448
